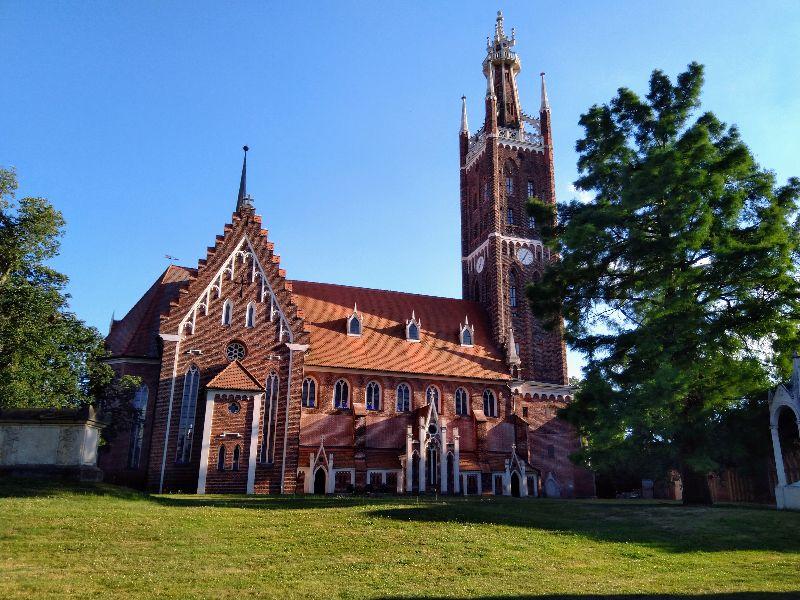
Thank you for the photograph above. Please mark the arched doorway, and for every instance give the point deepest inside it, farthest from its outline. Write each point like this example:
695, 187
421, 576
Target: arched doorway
515, 484
551, 487
319, 481
789, 438
432, 468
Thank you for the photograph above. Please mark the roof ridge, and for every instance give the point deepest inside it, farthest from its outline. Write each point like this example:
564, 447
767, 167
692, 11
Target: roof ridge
369, 289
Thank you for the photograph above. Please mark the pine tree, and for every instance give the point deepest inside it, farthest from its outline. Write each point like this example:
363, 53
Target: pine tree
677, 280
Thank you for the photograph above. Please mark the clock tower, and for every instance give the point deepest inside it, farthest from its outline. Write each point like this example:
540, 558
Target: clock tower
506, 161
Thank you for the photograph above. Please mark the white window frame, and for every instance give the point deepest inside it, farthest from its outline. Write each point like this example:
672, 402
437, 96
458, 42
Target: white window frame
346, 404
377, 387
468, 329
489, 394
416, 323
397, 398
250, 316
438, 399
303, 401
140, 401
466, 401
191, 389
357, 318
271, 394
227, 317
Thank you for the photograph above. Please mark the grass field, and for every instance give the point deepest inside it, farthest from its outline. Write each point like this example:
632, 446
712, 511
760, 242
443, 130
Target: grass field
102, 541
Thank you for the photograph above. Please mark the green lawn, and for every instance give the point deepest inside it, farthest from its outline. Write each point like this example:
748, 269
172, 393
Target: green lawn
102, 541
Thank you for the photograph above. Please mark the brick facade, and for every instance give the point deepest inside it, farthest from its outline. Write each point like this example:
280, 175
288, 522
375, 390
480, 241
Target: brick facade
235, 338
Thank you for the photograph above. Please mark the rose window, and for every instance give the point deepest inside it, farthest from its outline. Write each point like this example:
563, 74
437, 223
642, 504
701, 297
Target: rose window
235, 351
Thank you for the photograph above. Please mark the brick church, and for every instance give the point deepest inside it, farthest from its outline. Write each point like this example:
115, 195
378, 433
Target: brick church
256, 383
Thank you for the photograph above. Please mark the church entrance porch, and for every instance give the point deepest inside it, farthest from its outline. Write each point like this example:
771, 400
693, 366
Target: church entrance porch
319, 481
515, 485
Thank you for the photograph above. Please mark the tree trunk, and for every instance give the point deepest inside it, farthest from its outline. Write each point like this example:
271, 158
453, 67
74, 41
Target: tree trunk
695, 487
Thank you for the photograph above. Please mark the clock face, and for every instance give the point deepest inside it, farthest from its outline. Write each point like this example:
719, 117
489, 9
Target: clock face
479, 264
525, 256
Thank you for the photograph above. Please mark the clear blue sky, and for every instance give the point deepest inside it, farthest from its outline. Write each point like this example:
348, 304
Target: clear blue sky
130, 117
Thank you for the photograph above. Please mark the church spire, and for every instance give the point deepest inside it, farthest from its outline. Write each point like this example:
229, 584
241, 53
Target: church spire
243, 199
464, 124
545, 102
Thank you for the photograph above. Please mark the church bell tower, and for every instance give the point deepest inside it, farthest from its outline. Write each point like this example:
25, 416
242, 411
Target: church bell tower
505, 162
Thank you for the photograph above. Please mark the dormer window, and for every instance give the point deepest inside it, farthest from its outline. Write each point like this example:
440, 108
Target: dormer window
413, 327
466, 333
354, 323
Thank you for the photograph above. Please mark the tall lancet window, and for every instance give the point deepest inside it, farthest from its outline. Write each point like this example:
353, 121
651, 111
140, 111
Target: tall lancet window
137, 428
432, 396
250, 319
373, 396
227, 312
191, 385
270, 418
489, 404
341, 395
221, 459
512, 290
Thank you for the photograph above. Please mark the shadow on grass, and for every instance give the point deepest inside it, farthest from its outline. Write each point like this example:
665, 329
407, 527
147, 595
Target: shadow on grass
664, 525
667, 526
720, 596
31, 487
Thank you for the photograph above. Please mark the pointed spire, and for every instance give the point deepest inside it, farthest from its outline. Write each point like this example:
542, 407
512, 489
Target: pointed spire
243, 199
545, 102
499, 34
464, 124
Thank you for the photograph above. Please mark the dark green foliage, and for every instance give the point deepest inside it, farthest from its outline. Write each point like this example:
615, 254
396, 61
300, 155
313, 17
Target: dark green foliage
677, 280
48, 357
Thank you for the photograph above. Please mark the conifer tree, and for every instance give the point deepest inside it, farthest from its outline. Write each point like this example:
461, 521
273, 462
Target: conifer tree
678, 279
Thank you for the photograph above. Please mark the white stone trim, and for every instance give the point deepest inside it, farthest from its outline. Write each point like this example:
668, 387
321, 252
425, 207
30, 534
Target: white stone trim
229, 266
206, 441
252, 458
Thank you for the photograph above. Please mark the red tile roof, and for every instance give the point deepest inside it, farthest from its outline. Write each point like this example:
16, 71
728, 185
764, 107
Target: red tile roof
382, 345
136, 334
235, 377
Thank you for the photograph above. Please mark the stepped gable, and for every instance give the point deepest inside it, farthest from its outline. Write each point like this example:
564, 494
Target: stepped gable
235, 377
244, 224
136, 334
383, 345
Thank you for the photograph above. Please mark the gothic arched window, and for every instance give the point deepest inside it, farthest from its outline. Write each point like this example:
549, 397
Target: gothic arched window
354, 323
373, 396
270, 417
341, 395
309, 396
403, 398
250, 319
489, 404
221, 459
462, 402
432, 396
512, 290
191, 385
236, 452
137, 428
227, 312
